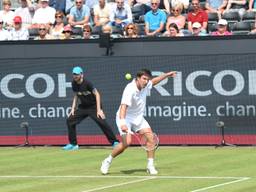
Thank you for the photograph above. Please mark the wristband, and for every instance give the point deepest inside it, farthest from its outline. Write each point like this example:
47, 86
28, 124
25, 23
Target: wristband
122, 122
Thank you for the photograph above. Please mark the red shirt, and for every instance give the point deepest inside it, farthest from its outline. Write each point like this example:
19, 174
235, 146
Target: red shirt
199, 17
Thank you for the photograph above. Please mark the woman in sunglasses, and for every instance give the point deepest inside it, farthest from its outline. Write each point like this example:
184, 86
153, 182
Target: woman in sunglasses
176, 17
131, 31
58, 27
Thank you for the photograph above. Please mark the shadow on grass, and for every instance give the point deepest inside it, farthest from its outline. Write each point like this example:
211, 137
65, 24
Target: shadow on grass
131, 171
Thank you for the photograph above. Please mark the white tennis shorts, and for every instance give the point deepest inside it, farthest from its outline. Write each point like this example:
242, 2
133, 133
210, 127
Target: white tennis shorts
132, 127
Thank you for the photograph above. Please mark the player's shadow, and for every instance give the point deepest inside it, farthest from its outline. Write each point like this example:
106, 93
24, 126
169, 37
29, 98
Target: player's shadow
131, 171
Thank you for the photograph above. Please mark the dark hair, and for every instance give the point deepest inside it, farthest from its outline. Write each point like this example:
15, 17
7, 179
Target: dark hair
144, 72
175, 26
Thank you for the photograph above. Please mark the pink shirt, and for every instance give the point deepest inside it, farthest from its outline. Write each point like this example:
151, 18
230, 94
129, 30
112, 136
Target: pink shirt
217, 33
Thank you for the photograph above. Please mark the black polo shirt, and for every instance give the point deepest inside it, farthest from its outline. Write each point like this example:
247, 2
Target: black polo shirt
84, 91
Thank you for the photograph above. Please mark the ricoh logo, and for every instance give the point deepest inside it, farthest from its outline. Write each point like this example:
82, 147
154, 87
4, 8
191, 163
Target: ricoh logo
61, 85
241, 81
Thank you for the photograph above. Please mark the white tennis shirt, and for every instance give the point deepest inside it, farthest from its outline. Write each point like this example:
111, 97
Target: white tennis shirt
135, 99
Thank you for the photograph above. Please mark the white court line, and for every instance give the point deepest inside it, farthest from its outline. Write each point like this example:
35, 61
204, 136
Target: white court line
118, 185
116, 176
222, 184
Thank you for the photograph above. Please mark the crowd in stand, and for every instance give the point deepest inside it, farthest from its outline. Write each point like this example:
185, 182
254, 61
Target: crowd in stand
67, 19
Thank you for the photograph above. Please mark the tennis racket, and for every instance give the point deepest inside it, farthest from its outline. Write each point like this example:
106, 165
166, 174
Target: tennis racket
142, 139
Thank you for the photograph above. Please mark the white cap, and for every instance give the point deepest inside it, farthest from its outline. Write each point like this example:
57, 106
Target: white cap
45, 0
196, 25
222, 22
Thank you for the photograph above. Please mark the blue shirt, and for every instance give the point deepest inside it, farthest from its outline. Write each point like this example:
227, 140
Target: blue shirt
154, 19
215, 3
80, 14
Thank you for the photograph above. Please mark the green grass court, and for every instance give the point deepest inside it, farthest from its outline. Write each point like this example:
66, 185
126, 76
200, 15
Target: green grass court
181, 169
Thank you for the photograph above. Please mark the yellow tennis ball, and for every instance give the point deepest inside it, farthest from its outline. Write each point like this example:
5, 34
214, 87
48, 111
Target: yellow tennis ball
128, 76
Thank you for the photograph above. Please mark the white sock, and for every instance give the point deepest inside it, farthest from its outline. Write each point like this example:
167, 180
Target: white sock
110, 158
150, 162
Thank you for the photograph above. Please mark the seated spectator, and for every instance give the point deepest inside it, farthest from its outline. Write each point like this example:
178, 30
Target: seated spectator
44, 15
101, 14
131, 31
197, 15
216, 6
154, 20
121, 14
18, 32
4, 35
222, 28
43, 32
87, 32
26, 12
56, 31
173, 31
252, 5
79, 14
67, 31
185, 3
7, 14
236, 5
197, 30
176, 17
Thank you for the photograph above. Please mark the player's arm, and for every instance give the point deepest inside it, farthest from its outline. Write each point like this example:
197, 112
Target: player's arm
100, 113
73, 107
158, 79
122, 115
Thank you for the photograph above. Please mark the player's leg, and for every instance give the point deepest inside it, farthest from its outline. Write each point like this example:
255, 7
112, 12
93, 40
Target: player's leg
72, 121
126, 141
105, 127
145, 130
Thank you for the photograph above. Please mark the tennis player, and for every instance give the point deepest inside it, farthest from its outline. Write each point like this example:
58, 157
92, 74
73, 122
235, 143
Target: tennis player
90, 105
130, 118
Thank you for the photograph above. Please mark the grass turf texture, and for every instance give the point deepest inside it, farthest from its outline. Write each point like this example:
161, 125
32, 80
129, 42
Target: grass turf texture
181, 169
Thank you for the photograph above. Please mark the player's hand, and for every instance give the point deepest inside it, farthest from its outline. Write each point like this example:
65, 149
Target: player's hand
100, 114
72, 113
172, 73
124, 128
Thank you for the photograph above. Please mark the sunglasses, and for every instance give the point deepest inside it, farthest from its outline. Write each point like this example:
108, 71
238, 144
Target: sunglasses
1, 23
42, 29
87, 31
130, 28
194, 3
120, 2
175, 10
79, 2
154, 3
66, 31
58, 16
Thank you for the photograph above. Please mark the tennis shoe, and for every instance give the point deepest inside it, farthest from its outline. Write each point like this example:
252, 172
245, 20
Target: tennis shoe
70, 147
105, 166
152, 170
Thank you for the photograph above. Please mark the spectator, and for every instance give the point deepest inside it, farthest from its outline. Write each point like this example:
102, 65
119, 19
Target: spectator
154, 20
4, 35
18, 32
87, 32
197, 15
185, 3
216, 6
26, 12
236, 5
176, 17
144, 4
173, 31
101, 15
57, 30
197, 30
131, 31
222, 29
43, 32
44, 15
79, 14
67, 31
7, 14
121, 14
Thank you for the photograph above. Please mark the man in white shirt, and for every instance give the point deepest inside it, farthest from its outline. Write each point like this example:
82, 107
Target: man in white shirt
130, 118
44, 15
26, 12
18, 33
